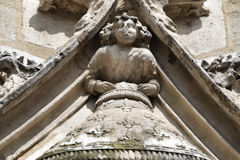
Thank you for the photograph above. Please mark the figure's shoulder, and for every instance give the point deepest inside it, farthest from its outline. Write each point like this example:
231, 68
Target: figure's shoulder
101, 50
144, 52
106, 49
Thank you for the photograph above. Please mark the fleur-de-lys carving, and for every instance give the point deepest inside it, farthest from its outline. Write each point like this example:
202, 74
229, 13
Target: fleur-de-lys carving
99, 117
104, 104
98, 131
125, 107
129, 137
75, 132
150, 117
127, 123
159, 135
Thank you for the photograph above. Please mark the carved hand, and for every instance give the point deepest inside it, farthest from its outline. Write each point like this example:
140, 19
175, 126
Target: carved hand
103, 86
148, 89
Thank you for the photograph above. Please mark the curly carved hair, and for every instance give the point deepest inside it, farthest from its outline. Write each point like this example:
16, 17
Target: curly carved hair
143, 35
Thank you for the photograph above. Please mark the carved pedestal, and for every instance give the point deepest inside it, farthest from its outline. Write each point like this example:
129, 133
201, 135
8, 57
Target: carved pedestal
124, 126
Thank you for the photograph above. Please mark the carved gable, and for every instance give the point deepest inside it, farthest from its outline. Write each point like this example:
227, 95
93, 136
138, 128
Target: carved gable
123, 87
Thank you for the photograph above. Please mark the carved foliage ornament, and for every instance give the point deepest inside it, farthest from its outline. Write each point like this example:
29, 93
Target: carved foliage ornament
225, 70
14, 70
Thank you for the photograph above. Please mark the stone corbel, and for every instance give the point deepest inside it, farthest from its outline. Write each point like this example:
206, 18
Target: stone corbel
88, 9
185, 8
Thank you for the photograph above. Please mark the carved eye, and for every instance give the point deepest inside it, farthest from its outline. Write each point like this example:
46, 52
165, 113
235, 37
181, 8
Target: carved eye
129, 25
119, 24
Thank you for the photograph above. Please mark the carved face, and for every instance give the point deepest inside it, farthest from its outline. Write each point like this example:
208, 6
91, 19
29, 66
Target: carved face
125, 32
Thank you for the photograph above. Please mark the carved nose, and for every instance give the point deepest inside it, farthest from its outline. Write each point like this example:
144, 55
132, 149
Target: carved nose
125, 26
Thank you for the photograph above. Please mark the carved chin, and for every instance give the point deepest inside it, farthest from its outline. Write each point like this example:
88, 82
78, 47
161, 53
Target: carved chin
123, 38
126, 40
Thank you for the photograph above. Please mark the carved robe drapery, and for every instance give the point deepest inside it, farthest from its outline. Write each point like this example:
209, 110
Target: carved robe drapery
135, 65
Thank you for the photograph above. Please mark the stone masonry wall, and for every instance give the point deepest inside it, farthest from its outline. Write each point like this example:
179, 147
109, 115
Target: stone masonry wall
25, 28
216, 34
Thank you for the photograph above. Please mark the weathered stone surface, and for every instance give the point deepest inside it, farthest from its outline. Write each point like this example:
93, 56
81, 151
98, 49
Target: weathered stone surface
58, 60
15, 69
233, 26
124, 73
232, 15
115, 126
206, 33
21, 53
225, 71
231, 6
77, 7
125, 48
185, 8
64, 54
8, 20
50, 30
87, 9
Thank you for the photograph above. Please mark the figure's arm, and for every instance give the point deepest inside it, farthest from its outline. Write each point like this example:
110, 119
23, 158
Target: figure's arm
93, 84
152, 87
97, 86
90, 82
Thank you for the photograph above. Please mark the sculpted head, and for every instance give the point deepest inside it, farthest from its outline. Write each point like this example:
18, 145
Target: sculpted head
126, 30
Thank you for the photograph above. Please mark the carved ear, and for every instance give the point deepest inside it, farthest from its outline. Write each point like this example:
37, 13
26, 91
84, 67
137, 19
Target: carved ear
107, 35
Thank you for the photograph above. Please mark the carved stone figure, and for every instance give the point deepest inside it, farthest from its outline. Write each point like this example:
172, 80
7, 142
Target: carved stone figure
14, 70
124, 126
225, 70
124, 62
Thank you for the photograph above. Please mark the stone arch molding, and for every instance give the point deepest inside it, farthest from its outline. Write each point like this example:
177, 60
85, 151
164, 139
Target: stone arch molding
57, 89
